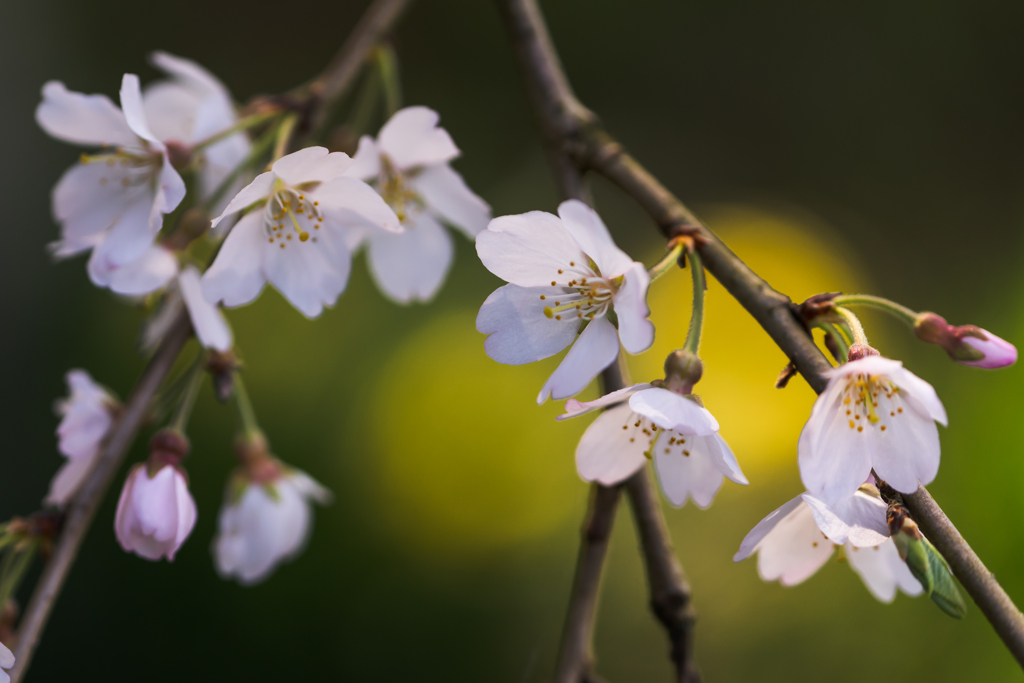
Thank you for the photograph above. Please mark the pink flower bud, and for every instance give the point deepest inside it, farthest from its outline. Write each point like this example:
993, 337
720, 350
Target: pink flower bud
156, 513
967, 344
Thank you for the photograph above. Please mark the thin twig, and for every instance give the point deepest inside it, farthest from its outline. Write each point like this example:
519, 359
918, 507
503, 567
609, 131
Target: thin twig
332, 84
571, 127
83, 506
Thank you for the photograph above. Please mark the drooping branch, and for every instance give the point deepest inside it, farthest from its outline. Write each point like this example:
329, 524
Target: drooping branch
82, 508
334, 82
570, 127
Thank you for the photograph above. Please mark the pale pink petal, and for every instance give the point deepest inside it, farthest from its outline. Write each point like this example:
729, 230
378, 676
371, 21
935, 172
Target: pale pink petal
589, 231
605, 453
259, 189
207, 320
150, 271
882, 570
574, 408
669, 410
82, 119
630, 302
129, 237
411, 138
868, 365
907, 453
686, 472
447, 195
353, 204
67, 480
306, 274
519, 331
135, 112
834, 458
311, 165
920, 395
859, 519
411, 266
998, 353
794, 550
366, 162
723, 457
530, 249
236, 276
752, 540
596, 349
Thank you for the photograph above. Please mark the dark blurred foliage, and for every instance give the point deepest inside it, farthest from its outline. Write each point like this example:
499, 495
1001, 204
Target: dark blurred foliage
874, 146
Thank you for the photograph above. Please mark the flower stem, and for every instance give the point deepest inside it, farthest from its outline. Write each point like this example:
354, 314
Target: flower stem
667, 262
188, 397
858, 330
241, 125
284, 136
840, 339
697, 315
246, 415
387, 64
891, 307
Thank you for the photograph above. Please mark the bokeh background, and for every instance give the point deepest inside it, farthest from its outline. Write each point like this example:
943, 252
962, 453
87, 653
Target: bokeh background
873, 146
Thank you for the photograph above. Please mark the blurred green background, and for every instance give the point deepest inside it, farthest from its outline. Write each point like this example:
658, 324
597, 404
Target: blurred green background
834, 146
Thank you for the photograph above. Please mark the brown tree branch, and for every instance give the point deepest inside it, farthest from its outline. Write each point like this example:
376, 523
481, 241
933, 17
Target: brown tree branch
570, 127
82, 508
335, 80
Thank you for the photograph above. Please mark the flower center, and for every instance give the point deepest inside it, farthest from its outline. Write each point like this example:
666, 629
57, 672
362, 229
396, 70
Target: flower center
289, 214
871, 401
127, 166
585, 295
393, 186
639, 427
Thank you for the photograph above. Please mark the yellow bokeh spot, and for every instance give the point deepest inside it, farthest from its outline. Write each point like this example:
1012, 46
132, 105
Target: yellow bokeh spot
466, 466
741, 362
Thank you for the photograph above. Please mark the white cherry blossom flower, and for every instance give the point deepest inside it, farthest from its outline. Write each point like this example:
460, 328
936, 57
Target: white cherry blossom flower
86, 418
296, 236
681, 436
112, 202
795, 541
6, 662
207, 319
191, 105
265, 523
874, 414
565, 274
155, 513
408, 164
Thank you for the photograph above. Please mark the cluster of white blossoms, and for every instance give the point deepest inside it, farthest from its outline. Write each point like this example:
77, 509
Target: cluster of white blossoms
569, 285
179, 149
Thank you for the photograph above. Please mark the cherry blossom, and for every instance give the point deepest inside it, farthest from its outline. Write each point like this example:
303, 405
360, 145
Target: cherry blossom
996, 352
565, 275
796, 540
265, 522
6, 662
207, 319
408, 164
646, 421
873, 414
112, 202
298, 238
86, 417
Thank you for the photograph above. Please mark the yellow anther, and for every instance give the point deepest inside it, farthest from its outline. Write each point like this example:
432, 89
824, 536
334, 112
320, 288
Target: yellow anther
548, 312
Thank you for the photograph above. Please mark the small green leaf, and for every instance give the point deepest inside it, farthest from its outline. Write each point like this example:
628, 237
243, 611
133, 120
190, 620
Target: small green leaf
944, 592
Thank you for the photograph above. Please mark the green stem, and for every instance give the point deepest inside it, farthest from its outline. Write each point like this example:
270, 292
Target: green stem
246, 414
387, 63
284, 136
697, 315
366, 103
839, 338
891, 307
858, 330
667, 262
188, 397
241, 125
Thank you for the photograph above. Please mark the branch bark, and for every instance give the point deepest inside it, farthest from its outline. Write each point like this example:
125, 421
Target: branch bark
572, 128
82, 508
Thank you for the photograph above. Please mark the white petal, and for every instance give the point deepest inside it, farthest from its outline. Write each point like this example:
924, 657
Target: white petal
596, 349
411, 138
681, 476
189, 73
134, 111
171, 110
921, 395
669, 410
6, 657
859, 519
723, 457
605, 453
529, 249
908, 451
169, 193
150, 271
589, 231
834, 459
82, 119
210, 326
868, 365
353, 204
519, 331
574, 408
882, 570
630, 302
90, 198
129, 237
309, 487
447, 194
186, 508
67, 480
366, 162
411, 266
236, 276
311, 165
794, 549
308, 274
259, 189
752, 540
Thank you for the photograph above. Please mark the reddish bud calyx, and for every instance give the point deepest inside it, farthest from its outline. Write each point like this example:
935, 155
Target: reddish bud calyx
858, 351
682, 370
167, 447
